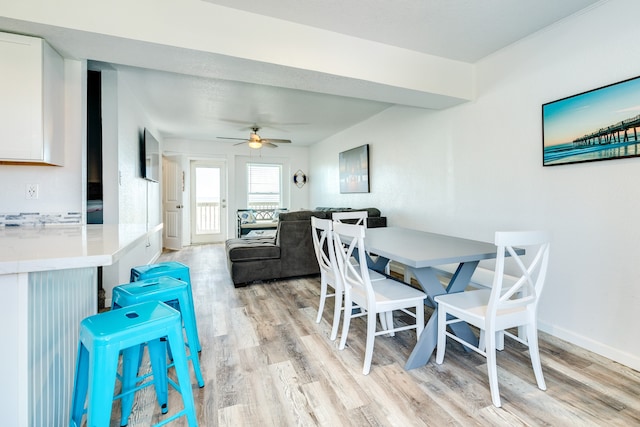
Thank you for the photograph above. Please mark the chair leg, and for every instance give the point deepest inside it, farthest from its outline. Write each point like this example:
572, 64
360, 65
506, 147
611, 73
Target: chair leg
407, 276
499, 340
389, 321
337, 308
323, 297
81, 385
176, 341
130, 361
419, 320
103, 366
492, 369
348, 309
386, 322
442, 338
371, 335
532, 337
158, 357
193, 355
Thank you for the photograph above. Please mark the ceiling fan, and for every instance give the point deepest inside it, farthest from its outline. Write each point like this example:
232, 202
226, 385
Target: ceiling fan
255, 141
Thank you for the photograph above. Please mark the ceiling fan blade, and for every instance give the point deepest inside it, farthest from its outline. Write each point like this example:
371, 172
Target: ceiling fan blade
268, 144
277, 141
225, 137
240, 143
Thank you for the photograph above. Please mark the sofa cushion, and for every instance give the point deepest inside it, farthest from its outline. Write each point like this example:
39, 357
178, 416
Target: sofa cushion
252, 249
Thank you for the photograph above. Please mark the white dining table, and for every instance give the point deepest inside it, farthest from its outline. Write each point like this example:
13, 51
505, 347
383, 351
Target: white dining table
421, 252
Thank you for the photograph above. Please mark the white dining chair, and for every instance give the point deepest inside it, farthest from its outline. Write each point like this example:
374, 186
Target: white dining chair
360, 217
506, 305
322, 237
381, 296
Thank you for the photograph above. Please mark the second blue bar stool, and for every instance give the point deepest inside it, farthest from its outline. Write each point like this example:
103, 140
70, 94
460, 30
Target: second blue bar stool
163, 289
173, 269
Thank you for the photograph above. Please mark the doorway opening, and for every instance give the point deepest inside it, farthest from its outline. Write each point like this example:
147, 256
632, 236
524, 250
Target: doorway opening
208, 202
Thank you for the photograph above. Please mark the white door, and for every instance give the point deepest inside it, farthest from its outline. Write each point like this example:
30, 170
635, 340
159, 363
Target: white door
172, 189
208, 201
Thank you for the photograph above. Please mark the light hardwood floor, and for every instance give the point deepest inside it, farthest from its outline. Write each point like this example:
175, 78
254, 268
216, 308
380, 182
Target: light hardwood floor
267, 363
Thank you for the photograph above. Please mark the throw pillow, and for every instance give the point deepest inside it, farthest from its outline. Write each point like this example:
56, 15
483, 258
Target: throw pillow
247, 217
276, 214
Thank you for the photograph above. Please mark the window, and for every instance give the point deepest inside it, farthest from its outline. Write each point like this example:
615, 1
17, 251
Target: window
264, 186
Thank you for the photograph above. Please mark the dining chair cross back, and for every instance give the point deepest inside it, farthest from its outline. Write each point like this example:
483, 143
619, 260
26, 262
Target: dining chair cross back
322, 236
358, 218
352, 217
372, 297
506, 305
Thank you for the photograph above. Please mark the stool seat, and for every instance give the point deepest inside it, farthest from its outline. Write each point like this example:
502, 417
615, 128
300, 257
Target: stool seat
173, 269
169, 268
102, 338
168, 290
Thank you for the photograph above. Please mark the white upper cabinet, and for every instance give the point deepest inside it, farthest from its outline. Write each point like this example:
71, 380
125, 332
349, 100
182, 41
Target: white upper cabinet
31, 101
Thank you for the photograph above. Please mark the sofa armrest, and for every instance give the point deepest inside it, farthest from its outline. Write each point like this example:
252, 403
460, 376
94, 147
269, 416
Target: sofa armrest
376, 221
297, 255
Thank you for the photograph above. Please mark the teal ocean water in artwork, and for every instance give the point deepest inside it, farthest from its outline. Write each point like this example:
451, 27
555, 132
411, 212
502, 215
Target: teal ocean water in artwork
568, 153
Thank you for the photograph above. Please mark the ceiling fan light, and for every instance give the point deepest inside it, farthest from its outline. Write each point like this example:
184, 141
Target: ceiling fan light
255, 144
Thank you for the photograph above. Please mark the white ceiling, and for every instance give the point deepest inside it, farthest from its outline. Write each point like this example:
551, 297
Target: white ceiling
464, 30
183, 101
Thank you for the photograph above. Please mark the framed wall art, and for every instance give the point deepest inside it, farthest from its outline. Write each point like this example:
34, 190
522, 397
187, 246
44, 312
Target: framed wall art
601, 124
354, 170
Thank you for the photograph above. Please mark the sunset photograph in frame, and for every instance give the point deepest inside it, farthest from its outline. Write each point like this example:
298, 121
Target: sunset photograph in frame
601, 124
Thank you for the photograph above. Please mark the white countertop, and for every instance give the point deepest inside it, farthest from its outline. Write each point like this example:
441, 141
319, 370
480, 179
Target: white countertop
28, 249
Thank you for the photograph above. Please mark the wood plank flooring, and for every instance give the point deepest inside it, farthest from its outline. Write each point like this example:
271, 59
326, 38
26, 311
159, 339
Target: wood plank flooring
267, 363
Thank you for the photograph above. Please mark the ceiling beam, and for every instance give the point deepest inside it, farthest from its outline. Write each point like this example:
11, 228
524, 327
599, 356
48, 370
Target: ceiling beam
203, 39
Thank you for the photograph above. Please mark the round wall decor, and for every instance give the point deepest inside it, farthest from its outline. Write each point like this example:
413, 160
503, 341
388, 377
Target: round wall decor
299, 178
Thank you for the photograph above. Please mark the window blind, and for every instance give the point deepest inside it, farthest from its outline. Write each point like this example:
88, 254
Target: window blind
264, 185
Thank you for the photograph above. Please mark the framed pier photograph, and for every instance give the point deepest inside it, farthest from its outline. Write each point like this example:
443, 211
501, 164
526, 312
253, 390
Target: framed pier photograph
601, 124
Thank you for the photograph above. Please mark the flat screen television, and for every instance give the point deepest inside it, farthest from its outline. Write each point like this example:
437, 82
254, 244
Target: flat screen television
150, 157
354, 170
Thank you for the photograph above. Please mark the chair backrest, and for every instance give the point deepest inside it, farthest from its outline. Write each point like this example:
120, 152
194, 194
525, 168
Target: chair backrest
322, 234
349, 238
359, 216
530, 270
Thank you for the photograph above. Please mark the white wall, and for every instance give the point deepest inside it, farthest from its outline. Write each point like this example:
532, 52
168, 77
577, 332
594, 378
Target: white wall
235, 157
136, 200
477, 168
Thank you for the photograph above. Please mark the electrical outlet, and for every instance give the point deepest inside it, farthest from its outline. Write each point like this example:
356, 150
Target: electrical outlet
32, 191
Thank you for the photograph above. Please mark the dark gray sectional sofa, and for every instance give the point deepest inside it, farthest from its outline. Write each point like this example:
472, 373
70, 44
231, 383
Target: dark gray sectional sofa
288, 254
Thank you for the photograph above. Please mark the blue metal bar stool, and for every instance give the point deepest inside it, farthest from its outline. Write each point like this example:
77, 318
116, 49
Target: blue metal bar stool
172, 269
165, 289
102, 338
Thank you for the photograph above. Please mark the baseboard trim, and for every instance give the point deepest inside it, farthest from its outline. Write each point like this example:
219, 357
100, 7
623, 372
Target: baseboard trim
624, 358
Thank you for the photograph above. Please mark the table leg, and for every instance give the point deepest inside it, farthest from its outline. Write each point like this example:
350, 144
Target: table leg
430, 283
379, 265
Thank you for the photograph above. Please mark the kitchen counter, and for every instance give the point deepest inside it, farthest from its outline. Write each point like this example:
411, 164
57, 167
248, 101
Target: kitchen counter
48, 284
30, 249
